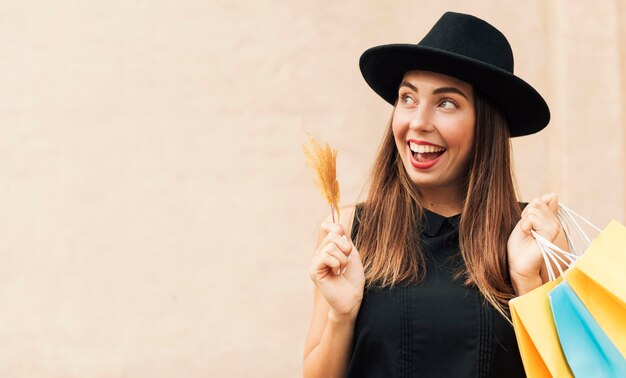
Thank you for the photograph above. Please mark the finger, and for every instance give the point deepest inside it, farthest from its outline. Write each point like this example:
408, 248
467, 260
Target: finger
525, 224
538, 223
344, 245
540, 209
324, 263
327, 227
552, 200
548, 199
338, 228
532, 221
333, 227
333, 263
337, 254
544, 204
527, 209
340, 241
550, 214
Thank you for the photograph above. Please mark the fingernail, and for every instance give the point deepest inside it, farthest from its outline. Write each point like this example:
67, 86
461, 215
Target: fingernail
344, 269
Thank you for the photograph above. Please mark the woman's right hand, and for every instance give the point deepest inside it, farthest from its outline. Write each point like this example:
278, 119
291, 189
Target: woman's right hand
337, 271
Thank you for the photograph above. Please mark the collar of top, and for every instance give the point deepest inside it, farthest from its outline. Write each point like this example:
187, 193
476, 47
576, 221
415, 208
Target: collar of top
434, 222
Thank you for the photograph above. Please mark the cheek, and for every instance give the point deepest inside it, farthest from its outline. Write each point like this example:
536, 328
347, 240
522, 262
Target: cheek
468, 142
395, 121
465, 135
397, 127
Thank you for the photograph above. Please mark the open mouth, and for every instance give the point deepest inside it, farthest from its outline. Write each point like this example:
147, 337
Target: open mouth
423, 153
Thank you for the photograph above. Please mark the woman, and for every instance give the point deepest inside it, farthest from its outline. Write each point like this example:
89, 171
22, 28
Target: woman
421, 284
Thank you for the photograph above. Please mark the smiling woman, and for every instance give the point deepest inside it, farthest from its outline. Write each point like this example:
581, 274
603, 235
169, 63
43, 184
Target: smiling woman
433, 126
416, 282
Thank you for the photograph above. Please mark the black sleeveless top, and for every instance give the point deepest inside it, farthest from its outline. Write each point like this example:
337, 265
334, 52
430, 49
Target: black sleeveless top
437, 328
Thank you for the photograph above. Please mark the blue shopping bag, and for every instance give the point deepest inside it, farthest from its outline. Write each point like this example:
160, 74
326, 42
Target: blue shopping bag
588, 350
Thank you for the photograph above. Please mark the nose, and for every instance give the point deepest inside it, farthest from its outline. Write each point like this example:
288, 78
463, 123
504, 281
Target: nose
421, 120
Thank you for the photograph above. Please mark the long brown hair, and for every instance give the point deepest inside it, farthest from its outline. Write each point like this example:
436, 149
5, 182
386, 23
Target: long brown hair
393, 209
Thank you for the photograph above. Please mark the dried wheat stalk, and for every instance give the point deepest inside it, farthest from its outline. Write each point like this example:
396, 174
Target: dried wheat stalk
323, 161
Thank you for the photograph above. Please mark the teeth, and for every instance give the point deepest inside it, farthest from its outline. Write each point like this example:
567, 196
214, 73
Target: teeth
422, 149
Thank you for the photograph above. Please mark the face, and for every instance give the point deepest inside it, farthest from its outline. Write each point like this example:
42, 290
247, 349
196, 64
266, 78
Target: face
433, 126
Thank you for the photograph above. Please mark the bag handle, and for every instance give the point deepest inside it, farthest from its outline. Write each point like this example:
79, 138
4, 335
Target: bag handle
552, 253
568, 218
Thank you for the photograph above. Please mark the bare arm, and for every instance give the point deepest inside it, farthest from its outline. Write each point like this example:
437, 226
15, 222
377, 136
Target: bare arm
329, 358
329, 339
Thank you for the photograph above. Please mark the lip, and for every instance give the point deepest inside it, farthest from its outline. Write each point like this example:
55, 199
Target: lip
422, 143
425, 164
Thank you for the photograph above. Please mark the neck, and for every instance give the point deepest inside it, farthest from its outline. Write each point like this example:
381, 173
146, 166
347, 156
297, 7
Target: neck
443, 201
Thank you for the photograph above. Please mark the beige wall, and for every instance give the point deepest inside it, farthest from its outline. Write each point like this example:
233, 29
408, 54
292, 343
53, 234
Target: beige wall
156, 215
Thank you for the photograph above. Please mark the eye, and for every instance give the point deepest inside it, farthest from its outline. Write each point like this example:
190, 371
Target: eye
406, 99
447, 103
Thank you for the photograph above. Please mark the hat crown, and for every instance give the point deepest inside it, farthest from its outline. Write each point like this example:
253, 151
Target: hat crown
469, 36
466, 48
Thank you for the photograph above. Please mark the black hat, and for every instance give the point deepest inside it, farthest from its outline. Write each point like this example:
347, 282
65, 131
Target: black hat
471, 50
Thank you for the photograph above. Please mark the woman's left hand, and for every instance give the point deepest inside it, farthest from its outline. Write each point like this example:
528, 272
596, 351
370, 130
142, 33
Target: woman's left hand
525, 259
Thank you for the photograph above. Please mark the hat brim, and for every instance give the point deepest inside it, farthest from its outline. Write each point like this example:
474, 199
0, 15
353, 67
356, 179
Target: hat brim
383, 68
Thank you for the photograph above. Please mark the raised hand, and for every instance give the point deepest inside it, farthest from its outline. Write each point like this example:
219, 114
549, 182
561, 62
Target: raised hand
337, 270
524, 255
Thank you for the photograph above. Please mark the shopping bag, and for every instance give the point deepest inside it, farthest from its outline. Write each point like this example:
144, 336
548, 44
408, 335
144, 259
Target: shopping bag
533, 322
605, 307
599, 279
536, 334
590, 339
588, 350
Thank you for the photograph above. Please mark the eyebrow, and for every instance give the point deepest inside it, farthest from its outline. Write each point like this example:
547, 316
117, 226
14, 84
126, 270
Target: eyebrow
436, 91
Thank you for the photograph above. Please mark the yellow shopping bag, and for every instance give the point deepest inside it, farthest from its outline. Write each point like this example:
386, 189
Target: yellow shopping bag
599, 280
536, 334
